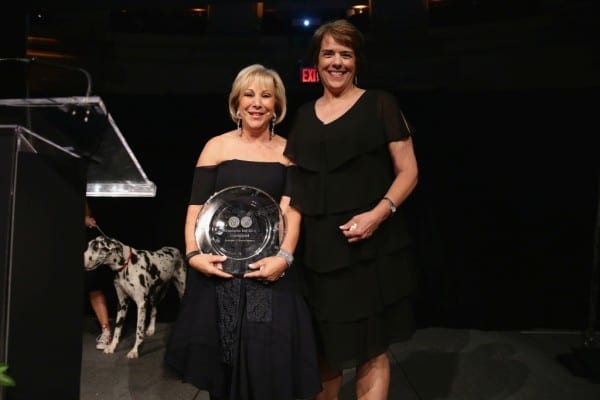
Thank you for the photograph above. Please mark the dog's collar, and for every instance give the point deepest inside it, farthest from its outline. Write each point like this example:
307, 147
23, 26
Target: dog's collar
126, 261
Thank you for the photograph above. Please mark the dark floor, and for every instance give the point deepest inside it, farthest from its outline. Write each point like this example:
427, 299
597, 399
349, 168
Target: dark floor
438, 363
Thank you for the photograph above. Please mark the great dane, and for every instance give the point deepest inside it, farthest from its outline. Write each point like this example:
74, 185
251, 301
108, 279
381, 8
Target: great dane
141, 275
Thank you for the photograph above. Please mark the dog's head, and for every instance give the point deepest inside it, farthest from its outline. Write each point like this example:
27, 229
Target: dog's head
102, 250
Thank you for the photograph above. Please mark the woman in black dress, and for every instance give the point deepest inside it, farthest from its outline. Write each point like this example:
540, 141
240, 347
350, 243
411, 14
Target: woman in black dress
355, 166
250, 337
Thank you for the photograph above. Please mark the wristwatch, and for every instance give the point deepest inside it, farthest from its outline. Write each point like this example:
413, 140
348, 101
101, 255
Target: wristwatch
392, 205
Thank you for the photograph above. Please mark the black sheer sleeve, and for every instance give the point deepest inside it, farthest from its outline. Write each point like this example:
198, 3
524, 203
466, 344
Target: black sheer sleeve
395, 124
203, 184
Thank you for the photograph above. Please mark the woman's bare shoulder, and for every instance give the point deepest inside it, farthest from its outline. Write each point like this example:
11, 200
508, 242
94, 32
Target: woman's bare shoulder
215, 148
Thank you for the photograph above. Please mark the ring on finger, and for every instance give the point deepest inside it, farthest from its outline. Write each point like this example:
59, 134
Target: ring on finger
353, 227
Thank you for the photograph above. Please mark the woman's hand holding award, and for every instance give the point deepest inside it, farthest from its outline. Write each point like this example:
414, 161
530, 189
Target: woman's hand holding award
243, 223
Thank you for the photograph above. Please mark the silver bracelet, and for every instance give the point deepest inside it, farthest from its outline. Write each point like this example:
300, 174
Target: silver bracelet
392, 205
289, 259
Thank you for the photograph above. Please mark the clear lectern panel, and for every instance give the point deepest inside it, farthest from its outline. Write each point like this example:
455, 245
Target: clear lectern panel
83, 126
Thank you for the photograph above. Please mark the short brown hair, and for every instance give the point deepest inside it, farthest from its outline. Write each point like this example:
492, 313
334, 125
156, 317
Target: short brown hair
342, 31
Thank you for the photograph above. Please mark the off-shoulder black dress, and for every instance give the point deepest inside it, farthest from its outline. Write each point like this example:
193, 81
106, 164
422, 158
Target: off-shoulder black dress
238, 338
359, 294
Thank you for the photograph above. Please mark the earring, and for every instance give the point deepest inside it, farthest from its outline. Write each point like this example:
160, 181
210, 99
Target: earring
273, 126
239, 122
355, 80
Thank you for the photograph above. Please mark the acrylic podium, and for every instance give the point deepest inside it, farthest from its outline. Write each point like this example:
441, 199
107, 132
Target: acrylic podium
55, 152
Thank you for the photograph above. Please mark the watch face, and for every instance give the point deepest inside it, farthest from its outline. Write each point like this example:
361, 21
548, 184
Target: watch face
243, 223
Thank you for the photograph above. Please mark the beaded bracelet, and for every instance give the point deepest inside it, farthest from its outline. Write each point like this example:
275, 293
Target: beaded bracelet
289, 258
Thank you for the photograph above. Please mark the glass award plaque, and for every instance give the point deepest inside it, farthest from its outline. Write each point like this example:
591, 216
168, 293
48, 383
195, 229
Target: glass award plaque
243, 223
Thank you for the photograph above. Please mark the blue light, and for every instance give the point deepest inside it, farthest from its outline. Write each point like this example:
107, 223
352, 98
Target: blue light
306, 22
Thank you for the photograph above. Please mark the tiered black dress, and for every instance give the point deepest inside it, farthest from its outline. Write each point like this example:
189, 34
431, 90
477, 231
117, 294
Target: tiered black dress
240, 339
358, 293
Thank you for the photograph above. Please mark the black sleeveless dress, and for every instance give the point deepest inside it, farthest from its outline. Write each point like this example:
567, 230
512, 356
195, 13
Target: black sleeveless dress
240, 339
360, 293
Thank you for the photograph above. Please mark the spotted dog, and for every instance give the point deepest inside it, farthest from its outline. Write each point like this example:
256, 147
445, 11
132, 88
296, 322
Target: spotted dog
141, 275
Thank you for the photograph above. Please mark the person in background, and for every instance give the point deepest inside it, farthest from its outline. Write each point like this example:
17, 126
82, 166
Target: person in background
245, 337
96, 281
355, 166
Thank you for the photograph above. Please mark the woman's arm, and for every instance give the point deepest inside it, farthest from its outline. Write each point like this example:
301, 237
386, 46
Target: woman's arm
363, 225
208, 264
406, 170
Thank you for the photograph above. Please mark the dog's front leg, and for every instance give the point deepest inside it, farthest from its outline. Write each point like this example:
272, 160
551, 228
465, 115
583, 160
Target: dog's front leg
121, 313
139, 329
152, 324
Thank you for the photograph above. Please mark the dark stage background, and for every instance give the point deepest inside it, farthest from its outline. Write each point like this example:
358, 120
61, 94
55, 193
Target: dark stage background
502, 94
503, 216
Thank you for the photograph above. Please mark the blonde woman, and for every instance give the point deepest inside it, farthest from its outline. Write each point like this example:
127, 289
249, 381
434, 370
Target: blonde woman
250, 336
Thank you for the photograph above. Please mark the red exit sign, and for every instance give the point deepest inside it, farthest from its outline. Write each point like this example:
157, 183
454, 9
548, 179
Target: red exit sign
309, 75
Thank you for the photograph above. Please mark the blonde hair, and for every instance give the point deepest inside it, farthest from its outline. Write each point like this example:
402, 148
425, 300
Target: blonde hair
262, 76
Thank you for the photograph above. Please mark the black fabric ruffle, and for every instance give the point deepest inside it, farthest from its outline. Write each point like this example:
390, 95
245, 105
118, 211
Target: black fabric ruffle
350, 343
363, 290
324, 248
345, 164
374, 120
363, 180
